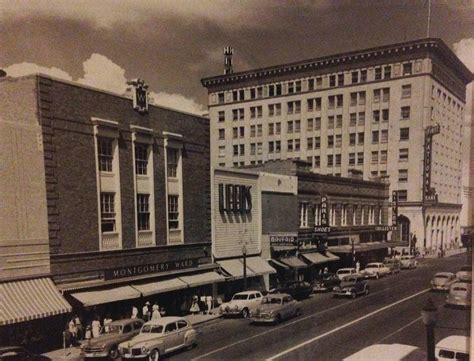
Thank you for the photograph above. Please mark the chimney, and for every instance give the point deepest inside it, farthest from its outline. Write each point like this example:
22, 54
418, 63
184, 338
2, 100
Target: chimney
228, 52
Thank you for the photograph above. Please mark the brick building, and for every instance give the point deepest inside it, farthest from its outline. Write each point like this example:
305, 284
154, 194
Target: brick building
107, 196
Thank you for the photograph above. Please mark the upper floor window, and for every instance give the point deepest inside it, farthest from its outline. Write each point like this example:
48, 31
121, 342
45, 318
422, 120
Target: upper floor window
405, 113
220, 98
107, 212
387, 72
221, 116
303, 214
406, 91
355, 77
143, 212
407, 68
106, 155
172, 160
332, 80
173, 212
141, 159
378, 73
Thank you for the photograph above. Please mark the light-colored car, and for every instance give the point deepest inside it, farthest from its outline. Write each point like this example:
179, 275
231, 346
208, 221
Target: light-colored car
276, 307
343, 272
453, 348
393, 265
375, 270
106, 344
408, 262
242, 303
465, 274
352, 286
459, 294
388, 352
159, 337
442, 280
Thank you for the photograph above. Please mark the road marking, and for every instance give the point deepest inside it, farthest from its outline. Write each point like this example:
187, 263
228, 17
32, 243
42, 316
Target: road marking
400, 329
345, 326
289, 324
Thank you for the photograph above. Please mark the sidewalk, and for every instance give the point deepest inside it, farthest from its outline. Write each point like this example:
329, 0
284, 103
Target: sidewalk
451, 252
74, 353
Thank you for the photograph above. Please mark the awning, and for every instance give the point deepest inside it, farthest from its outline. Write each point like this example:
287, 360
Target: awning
259, 266
280, 264
91, 298
319, 258
202, 279
30, 299
152, 288
364, 247
235, 268
293, 262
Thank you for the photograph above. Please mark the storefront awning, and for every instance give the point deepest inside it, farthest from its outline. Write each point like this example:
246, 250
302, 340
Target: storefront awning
293, 262
152, 288
30, 299
235, 268
319, 258
364, 247
259, 266
202, 279
280, 264
91, 298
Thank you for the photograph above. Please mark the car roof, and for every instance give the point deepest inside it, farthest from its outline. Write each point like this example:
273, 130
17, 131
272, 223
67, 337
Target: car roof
278, 294
388, 352
246, 292
125, 321
345, 269
378, 263
444, 274
165, 320
458, 284
456, 342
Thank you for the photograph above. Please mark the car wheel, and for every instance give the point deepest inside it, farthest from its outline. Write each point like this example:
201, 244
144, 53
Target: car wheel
113, 354
353, 294
154, 355
245, 313
278, 319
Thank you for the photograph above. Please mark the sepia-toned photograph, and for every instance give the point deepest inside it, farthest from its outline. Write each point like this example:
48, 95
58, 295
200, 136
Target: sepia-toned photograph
236, 180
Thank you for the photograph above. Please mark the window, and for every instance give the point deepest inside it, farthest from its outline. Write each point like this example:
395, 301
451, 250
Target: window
384, 115
252, 93
271, 147
405, 113
338, 140
298, 86
236, 150
384, 136
314, 104
351, 158
375, 137
278, 89
253, 148
355, 77
360, 139
289, 126
222, 151
271, 128
238, 114
331, 122
352, 139
352, 119
361, 118
383, 156
403, 175
407, 68
220, 98
297, 145
289, 145
403, 155
385, 95
303, 215
319, 82
402, 195
106, 155
387, 72
375, 157
309, 143
317, 142
259, 130
363, 76
317, 123
173, 212
242, 149
317, 161
172, 159
330, 160
141, 159
360, 158
361, 98
297, 126
338, 160
310, 84
278, 146
340, 79
378, 73
331, 101
241, 94
278, 128
406, 91
221, 116
332, 80
353, 99
143, 212
107, 212
376, 117
339, 101
376, 95
235, 132
242, 132
404, 133
259, 92
330, 141
221, 134
252, 131
309, 124
294, 107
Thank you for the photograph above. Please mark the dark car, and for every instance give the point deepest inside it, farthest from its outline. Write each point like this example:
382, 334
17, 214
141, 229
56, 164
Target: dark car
298, 289
17, 353
352, 286
325, 282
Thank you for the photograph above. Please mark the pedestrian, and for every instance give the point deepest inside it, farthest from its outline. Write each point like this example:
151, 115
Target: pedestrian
146, 311
96, 327
88, 333
195, 309
79, 328
155, 312
209, 304
357, 267
73, 332
134, 312
325, 270
107, 322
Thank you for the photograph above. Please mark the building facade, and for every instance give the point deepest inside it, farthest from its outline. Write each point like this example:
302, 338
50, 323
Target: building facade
372, 110
108, 197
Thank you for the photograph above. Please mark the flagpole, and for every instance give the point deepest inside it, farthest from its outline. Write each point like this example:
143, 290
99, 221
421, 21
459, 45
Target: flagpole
429, 19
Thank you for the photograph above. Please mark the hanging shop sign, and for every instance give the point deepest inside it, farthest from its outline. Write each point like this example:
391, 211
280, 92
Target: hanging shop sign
394, 208
235, 198
429, 194
122, 272
283, 240
323, 228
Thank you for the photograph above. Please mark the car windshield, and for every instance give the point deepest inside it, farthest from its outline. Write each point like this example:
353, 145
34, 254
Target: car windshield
372, 266
342, 272
240, 297
441, 276
460, 289
272, 300
114, 328
152, 329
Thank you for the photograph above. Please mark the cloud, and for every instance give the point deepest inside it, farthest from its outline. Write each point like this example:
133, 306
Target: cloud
177, 101
464, 49
22, 69
101, 72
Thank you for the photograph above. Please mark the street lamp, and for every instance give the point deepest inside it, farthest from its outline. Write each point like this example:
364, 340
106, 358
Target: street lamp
244, 254
429, 315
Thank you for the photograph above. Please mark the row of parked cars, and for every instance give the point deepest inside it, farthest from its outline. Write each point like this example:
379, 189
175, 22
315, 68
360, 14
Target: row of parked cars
458, 285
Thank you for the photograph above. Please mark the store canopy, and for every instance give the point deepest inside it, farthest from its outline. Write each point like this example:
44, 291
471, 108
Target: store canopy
202, 279
279, 264
152, 288
293, 262
319, 258
91, 298
259, 266
364, 247
235, 268
331, 256
30, 299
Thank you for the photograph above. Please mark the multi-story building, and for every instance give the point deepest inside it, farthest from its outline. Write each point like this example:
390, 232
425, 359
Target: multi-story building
367, 110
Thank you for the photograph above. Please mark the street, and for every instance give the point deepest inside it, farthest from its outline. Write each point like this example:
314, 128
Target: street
331, 329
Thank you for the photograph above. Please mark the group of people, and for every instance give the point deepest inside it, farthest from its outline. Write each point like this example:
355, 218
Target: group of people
149, 312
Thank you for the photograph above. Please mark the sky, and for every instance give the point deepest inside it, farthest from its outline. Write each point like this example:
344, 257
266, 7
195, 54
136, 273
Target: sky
173, 44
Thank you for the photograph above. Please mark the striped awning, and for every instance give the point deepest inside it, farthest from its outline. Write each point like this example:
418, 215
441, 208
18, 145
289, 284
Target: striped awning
293, 262
319, 258
30, 299
99, 297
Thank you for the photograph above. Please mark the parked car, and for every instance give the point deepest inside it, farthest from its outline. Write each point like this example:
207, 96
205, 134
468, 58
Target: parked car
242, 303
325, 282
275, 308
159, 337
442, 280
297, 289
375, 270
459, 294
453, 348
393, 264
352, 286
106, 345
388, 352
18, 353
343, 272
408, 262
465, 274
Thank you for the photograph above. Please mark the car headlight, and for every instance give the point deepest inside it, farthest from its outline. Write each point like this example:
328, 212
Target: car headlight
144, 349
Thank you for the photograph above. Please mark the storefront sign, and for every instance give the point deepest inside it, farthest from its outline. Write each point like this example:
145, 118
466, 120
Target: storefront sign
283, 240
324, 211
394, 208
429, 194
386, 228
122, 272
322, 229
235, 198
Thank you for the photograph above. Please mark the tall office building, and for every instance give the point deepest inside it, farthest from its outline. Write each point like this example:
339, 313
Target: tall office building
375, 110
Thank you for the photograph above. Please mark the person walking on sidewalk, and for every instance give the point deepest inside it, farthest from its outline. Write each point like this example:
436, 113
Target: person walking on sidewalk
107, 321
72, 332
96, 327
146, 311
195, 309
134, 312
156, 312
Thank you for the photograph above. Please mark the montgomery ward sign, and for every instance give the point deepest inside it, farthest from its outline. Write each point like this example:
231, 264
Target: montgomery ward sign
122, 272
429, 194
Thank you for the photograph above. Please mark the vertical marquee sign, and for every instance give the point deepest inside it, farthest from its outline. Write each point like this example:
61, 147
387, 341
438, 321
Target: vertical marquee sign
429, 194
235, 198
394, 208
324, 227
140, 95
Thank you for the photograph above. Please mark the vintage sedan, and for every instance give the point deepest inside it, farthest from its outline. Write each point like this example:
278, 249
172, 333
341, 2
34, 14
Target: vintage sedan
242, 303
343, 272
459, 294
297, 289
159, 337
375, 270
106, 344
408, 262
16, 353
465, 273
393, 264
325, 282
351, 286
442, 280
276, 307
